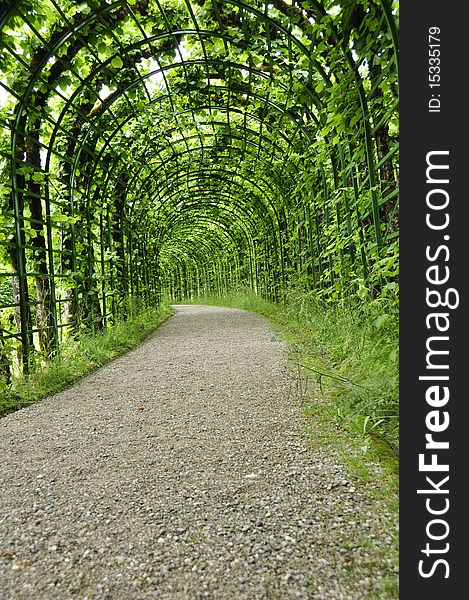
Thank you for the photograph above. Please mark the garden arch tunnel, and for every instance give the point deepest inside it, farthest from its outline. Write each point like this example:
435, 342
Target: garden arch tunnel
189, 146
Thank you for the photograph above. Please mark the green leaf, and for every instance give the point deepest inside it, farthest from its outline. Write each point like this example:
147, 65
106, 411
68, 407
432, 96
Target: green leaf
380, 321
117, 63
84, 8
38, 176
320, 86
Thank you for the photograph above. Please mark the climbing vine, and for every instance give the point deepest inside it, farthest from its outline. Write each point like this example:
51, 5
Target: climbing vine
183, 147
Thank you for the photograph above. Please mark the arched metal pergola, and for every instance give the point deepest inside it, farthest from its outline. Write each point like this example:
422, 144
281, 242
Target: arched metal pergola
188, 147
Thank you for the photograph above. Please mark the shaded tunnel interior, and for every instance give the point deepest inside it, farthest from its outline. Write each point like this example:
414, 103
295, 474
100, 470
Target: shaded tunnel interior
190, 147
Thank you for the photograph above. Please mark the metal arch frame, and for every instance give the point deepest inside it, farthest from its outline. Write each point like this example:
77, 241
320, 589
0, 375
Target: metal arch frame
216, 229
193, 260
152, 173
162, 165
278, 245
89, 130
87, 81
180, 201
93, 127
175, 154
270, 206
227, 123
240, 222
149, 39
246, 226
177, 223
167, 198
226, 231
275, 229
190, 169
272, 104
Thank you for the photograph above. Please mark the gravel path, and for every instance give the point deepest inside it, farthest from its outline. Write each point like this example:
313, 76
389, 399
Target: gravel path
179, 471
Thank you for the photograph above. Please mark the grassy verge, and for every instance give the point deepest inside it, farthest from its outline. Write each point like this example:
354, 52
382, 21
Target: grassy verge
79, 357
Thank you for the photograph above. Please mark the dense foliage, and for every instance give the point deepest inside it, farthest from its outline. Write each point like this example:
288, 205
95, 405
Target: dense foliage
190, 147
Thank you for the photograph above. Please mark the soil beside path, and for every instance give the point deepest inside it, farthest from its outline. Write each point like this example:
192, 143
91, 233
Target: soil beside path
179, 471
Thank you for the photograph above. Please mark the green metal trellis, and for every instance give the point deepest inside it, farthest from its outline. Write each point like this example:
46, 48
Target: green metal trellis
211, 161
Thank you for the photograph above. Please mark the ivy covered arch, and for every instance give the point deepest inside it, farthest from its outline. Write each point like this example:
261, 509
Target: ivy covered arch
191, 146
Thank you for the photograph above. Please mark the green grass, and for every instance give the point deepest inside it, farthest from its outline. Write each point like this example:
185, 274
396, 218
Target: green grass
80, 356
